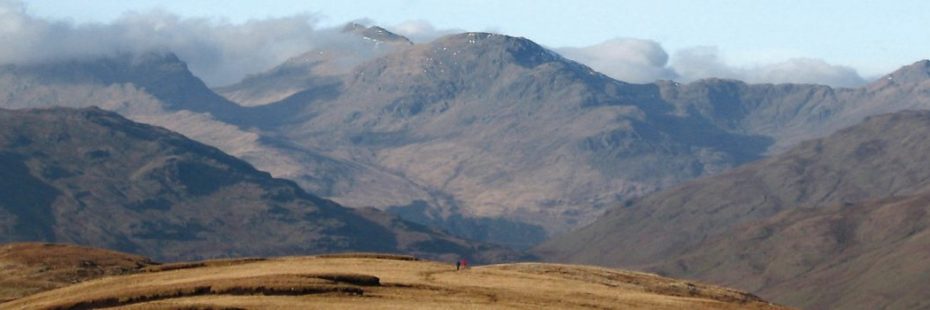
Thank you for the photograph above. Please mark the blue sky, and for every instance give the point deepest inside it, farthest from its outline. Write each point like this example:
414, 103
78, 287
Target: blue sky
872, 37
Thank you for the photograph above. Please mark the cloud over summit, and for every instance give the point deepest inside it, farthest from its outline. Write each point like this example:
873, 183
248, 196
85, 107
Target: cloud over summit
631, 60
218, 51
221, 52
645, 61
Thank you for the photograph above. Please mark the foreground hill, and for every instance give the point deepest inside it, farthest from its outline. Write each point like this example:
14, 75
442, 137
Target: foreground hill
367, 281
29, 268
95, 178
846, 215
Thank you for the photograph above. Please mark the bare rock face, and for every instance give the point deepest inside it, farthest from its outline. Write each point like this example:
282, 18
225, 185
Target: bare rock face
92, 177
846, 210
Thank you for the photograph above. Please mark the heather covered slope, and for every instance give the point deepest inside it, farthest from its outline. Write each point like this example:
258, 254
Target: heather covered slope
92, 177
845, 211
378, 281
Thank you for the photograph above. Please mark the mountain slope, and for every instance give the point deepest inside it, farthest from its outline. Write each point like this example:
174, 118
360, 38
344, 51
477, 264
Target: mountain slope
92, 177
868, 255
840, 209
378, 281
509, 129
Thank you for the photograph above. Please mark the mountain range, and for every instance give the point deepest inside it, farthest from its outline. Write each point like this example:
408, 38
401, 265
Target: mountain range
487, 126
486, 136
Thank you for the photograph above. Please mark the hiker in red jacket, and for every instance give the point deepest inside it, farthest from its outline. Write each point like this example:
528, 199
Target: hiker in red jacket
464, 263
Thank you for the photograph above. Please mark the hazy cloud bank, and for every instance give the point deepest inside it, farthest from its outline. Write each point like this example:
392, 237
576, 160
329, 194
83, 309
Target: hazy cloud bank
644, 61
217, 51
221, 52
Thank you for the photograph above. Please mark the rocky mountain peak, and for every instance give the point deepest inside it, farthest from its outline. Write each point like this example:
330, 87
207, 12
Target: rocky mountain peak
468, 58
376, 33
910, 74
518, 49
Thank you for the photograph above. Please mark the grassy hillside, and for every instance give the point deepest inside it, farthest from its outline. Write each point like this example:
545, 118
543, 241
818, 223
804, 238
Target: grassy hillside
384, 281
28, 268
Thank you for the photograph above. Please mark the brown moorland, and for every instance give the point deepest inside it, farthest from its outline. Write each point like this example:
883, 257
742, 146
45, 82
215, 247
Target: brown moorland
386, 281
28, 268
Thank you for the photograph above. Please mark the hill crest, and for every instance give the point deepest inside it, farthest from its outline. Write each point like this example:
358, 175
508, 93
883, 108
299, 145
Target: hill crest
385, 281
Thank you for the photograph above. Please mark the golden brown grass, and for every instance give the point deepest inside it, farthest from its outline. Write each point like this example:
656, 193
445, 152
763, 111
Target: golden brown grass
28, 268
369, 255
359, 281
209, 263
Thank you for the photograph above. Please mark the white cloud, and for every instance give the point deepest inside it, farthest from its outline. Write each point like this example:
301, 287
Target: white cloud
420, 31
630, 60
703, 62
645, 61
218, 51
806, 70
